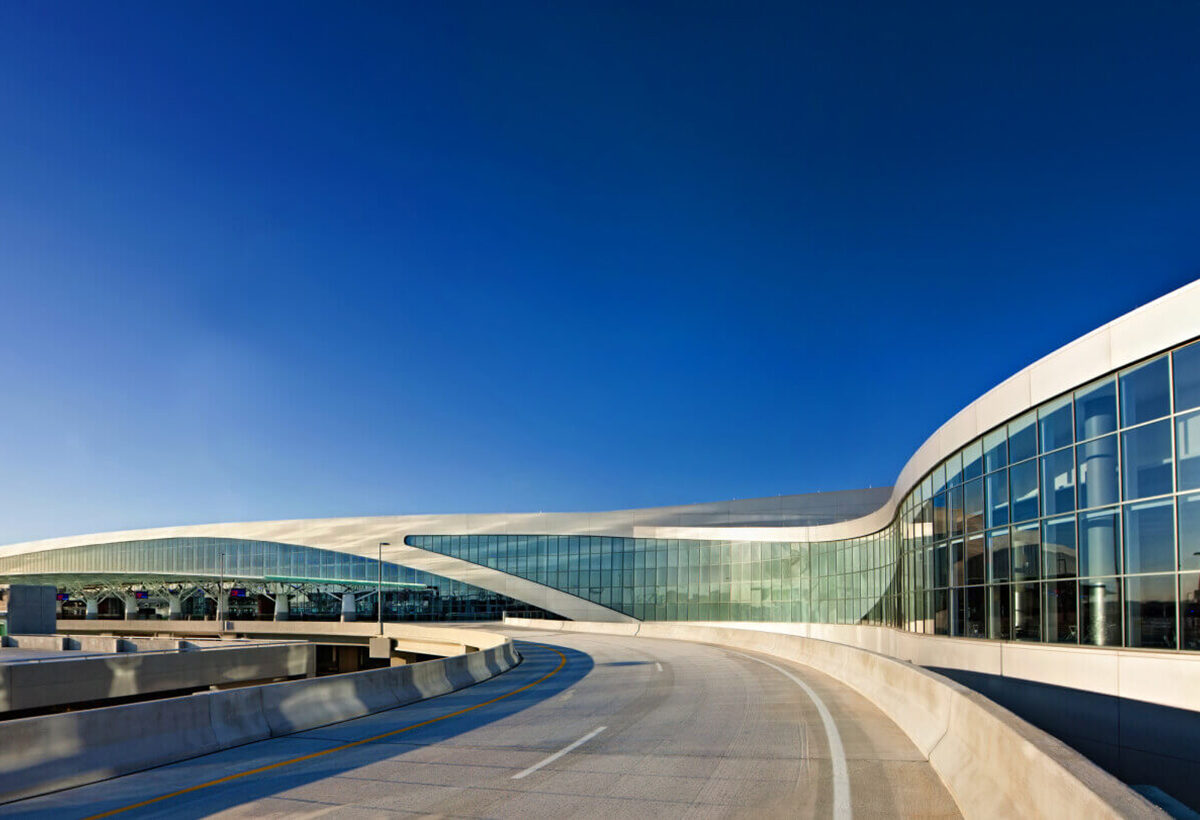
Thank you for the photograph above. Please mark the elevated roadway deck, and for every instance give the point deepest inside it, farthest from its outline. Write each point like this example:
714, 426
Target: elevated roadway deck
587, 725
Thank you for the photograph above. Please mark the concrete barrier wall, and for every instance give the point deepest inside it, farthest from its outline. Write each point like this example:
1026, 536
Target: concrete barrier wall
88, 677
44, 754
993, 763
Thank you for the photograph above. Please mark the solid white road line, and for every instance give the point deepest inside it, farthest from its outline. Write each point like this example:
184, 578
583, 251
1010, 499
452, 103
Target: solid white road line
560, 753
837, 754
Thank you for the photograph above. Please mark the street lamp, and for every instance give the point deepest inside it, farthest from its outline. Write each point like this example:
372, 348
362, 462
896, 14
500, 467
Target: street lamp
379, 589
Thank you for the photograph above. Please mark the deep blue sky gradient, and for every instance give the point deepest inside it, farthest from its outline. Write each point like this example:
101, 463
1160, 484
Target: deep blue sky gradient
294, 259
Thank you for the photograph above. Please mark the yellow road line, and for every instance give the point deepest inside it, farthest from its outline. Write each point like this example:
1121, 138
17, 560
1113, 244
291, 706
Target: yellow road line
561, 663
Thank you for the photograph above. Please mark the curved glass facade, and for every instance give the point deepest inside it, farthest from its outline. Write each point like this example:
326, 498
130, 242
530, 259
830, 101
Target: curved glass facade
413, 594
1076, 523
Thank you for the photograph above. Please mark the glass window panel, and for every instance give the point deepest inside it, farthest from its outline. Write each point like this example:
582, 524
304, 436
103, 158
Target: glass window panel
973, 461
1000, 613
995, 450
1058, 607
1150, 611
939, 478
1027, 612
1145, 392
1023, 490
1100, 612
997, 499
1097, 472
973, 505
1189, 531
940, 522
956, 511
976, 560
954, 470
1096, 409
1022, 438
1099, 542
973, 612
998, 553
941, 611
1146, 460
1189, 610
941, 565
1058, 548
1150, 536
1187, 450
1187, 377
1026, 552
1055, 424
1058, 482
957, 563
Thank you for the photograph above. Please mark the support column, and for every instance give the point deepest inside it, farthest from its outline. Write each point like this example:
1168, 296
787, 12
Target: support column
223, 605
93, 608
174, 606
349, 611
281, 607
131, 606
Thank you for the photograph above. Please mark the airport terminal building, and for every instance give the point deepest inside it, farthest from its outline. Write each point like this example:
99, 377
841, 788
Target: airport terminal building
1062, 507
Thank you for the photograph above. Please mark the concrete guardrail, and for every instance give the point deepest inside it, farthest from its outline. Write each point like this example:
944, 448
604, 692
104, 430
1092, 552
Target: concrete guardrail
52, 752
993, 763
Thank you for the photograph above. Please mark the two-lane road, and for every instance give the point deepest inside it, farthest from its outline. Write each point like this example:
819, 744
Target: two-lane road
585, 726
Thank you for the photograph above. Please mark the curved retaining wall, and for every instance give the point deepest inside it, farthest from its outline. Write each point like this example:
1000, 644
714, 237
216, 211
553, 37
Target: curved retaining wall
992, 762
44, 754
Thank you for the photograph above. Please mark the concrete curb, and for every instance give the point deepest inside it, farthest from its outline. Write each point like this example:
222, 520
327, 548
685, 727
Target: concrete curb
993, 763
51, 752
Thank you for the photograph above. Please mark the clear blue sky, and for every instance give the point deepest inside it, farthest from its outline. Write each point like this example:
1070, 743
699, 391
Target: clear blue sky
287, 259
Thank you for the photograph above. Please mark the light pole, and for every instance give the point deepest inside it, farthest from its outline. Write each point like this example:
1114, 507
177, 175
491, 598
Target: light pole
220, 584
379, 589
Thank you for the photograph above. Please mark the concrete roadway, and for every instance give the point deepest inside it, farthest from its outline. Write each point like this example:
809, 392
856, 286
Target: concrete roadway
605, 726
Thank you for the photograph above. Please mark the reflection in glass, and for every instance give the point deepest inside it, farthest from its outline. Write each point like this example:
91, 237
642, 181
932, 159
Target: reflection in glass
956, 510
1059, 607
941, 611
1055, 425
1146, 460
1058, 482
1189, 610
1150, 536
973, 460
1058, 548
1145, 392
973, 612
1023, 490
1100, 612
1000, 614
1189, 531
976, 560
957, 565
1022, 438
1096, 410
1187, 450
995, 450
998, 553
1026, 549
941, 565
940, 522
1099, 542
973, 504
1097, 472
1150, 611
997, 499
1026, 610
1187, 377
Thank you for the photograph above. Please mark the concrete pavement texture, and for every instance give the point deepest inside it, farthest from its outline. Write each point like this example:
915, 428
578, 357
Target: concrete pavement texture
585, 726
